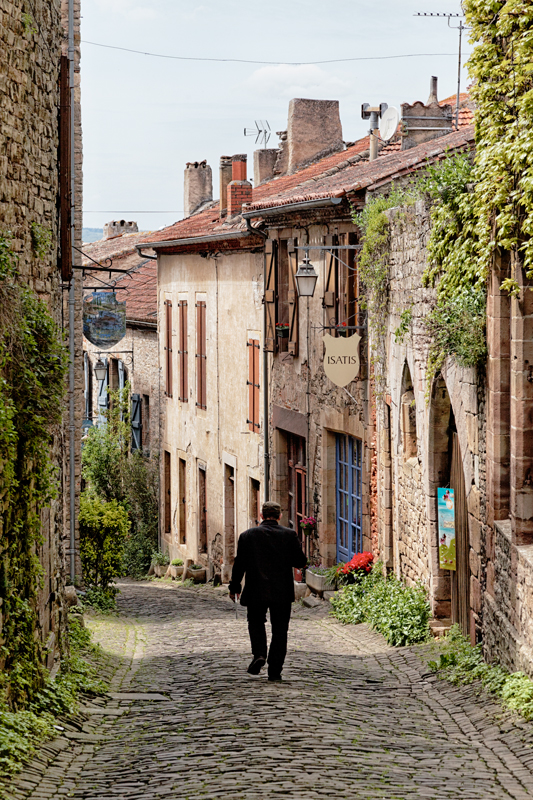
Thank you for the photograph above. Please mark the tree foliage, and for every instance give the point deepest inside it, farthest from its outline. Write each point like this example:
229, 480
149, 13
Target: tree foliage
103, 530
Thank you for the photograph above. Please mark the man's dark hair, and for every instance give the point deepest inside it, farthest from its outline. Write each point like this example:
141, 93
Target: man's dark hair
271, 510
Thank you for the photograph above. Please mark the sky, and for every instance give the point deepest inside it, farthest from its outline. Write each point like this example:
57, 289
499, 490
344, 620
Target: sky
144, 117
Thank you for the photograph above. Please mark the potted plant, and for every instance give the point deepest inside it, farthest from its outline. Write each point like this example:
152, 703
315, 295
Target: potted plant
160, 562
282, 330
342, 329
176, 567
318, 580
197, 573
308, 524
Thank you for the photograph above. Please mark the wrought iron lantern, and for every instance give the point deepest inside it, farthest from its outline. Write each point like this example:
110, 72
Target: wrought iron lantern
306, 278
100, 370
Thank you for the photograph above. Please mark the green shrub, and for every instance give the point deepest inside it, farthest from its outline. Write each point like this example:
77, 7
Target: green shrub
103, 530
460, 663
399, 612
177, 562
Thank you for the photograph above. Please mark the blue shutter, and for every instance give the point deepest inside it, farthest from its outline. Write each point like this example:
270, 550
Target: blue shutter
136, 422
120, 366
103, 398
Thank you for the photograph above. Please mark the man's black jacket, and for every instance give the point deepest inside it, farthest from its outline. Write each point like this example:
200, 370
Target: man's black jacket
266, 555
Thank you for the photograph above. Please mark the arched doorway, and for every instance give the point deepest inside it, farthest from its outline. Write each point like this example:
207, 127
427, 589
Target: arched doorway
452, 589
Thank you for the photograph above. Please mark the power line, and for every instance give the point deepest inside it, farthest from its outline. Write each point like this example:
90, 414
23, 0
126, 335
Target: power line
268, 63
121, 211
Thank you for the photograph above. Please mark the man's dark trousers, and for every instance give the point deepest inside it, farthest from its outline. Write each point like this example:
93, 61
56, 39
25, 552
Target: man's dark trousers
280, 616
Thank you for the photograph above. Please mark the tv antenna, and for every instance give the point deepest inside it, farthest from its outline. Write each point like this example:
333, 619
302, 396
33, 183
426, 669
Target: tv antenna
459, 28
261, 132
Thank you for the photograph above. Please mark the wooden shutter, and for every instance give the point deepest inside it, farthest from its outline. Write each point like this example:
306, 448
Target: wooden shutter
183, 352
103, 398
168, 492
201, 355
136, 422
253, 385
65, 171
271, 293
292, 295
331, 290
168, 347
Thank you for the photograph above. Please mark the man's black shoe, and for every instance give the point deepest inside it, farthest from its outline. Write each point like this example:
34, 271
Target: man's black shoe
274, 678
256, 665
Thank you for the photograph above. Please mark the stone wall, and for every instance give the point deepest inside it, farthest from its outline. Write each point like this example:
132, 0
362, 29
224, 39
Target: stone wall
31, 39
415, 429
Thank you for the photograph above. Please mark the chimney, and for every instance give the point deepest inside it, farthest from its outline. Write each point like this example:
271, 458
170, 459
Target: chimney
264, 164
198, 186
114, 229
225, 180
421, 123
239, 190
314, 131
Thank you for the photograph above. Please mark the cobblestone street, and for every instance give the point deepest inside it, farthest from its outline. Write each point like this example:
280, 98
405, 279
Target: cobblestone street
353, 717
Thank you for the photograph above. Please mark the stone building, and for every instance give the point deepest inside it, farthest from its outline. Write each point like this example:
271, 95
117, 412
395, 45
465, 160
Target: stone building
35, 214
135, 359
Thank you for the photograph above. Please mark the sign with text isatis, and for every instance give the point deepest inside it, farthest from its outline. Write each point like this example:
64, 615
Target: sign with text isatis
341, 359
446, 516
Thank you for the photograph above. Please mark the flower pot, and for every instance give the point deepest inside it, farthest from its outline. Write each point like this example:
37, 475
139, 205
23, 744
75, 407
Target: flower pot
198, 575
175, 571
307, 529
317, 583
282, 333
160, 570
298, 575
343, 332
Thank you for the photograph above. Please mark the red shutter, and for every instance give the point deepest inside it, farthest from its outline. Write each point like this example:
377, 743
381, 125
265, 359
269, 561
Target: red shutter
183, 352
65, 171
253, 385
168, 347
201, 355
293, 298
271, 277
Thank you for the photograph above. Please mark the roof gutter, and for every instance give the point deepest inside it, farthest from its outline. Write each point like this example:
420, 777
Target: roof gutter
288, 207
213, 237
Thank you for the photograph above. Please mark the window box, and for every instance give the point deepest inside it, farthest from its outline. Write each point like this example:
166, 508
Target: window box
317, 583
282, 331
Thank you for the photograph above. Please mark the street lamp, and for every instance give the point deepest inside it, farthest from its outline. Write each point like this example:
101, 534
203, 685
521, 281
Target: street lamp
306, 278
100, 370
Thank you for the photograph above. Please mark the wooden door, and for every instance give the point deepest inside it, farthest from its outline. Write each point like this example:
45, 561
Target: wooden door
202, 511
460, 578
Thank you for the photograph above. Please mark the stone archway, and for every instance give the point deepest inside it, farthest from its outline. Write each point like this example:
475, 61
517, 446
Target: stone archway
450, 589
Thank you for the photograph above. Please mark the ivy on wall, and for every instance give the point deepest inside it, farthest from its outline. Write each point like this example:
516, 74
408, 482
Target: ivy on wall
501, 65
32, 370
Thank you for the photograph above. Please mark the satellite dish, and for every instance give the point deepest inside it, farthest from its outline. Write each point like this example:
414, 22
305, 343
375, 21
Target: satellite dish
389, 123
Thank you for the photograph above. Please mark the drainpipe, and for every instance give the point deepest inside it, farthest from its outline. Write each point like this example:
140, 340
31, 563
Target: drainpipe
72, 305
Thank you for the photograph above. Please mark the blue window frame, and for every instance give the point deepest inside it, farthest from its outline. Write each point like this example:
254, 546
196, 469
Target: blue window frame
349, 497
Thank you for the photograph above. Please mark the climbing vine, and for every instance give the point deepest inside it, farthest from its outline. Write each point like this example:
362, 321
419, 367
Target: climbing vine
501, 65
32, 369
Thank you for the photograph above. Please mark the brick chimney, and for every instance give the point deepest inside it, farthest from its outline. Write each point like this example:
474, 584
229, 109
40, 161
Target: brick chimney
198, 186
421, 123
239, 190
114, 228
225, 179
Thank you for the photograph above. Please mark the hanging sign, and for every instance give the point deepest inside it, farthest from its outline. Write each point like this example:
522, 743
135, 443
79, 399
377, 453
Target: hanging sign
104, 319
341, 359
446, 517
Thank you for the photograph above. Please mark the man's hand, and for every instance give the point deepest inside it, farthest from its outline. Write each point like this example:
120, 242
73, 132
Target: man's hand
232, 597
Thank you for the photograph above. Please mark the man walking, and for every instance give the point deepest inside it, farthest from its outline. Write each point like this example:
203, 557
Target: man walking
266, 555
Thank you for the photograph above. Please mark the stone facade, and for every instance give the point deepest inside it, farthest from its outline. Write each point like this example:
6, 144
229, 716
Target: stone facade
29, 193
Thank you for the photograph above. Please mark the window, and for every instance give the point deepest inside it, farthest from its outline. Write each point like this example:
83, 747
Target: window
183, 501
297, 483
341, 285
349, 497
201, 355
255, 502
168, 347
145, 418
253, 385
168, 494
183, 352
281, 295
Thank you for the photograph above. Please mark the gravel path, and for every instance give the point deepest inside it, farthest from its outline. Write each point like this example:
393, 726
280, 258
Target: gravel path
353, 717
